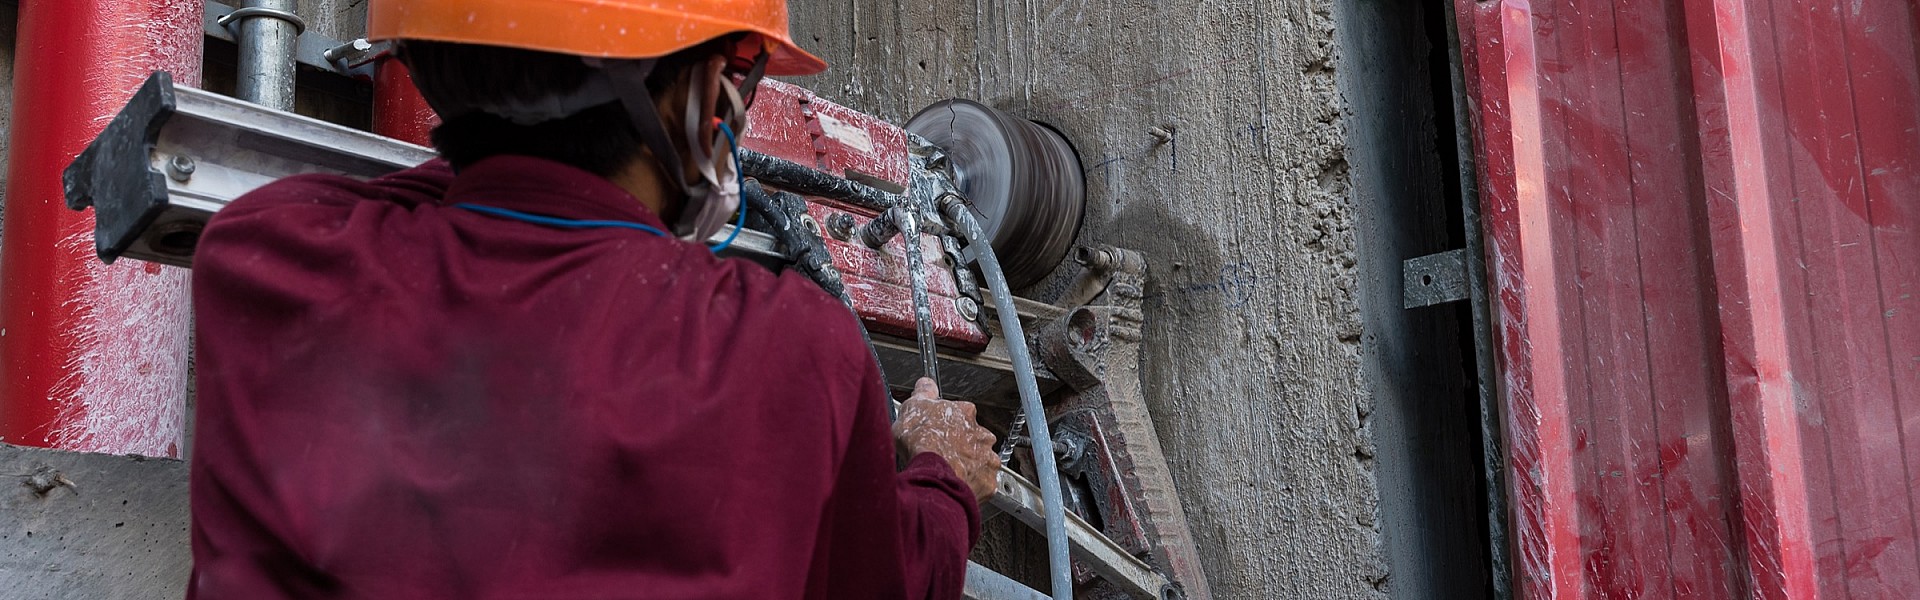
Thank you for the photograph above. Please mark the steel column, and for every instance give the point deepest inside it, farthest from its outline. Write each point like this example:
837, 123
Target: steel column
92, 357
269, 36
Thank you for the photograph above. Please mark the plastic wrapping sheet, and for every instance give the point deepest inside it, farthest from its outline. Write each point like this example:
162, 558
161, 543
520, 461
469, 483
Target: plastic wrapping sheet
1701, 239
92, 357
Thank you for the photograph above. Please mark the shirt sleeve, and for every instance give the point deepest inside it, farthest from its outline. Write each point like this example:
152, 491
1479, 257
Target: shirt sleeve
924, 517
940, 521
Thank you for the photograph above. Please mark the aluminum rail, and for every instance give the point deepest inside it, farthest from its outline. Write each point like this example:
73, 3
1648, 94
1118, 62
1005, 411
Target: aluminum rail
1020, 498
176, 155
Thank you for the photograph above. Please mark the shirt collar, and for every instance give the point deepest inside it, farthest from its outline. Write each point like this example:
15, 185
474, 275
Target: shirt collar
544, 187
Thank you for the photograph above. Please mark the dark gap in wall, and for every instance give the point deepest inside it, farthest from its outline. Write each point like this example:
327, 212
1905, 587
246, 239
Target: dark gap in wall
1449, 132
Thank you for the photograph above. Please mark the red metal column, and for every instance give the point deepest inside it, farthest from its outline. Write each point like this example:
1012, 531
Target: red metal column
92, 357
398, 110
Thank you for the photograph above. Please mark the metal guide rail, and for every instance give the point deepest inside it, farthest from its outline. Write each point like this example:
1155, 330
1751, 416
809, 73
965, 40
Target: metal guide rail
174, 156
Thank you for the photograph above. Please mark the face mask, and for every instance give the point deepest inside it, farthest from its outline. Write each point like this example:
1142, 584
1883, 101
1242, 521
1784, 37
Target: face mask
715, 199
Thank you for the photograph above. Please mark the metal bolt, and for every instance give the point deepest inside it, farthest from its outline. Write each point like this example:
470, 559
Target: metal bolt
840, 226
180, 168
338, 53
969, 309
1070, 448
1097, 259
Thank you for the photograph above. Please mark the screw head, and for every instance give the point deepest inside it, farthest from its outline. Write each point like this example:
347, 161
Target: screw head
180, 168
840, 226
969, 309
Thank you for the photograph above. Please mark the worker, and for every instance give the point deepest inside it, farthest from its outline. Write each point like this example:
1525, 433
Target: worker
518, 372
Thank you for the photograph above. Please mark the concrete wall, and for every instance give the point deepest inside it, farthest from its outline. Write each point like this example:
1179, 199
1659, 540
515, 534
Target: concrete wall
9, 17
1253, 359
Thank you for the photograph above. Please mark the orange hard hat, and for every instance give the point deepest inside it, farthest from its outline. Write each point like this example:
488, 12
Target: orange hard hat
597, 28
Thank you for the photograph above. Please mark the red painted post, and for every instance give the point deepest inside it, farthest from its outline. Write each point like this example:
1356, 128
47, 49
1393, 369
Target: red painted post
92, 357
398, 110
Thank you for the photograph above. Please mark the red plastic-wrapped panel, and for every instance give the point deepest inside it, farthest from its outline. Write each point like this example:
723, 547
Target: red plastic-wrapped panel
1701, 222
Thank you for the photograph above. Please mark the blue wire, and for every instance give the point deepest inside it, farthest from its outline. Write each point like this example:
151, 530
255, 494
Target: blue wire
738, 224
556, 221
733, 147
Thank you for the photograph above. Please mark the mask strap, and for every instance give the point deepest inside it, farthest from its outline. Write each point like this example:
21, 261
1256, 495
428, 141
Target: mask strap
629, 78
751, 83
706, 214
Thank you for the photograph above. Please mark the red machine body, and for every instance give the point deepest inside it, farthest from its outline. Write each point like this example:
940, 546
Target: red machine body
789, 122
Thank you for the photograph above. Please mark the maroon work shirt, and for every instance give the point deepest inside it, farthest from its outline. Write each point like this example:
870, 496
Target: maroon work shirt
399, 398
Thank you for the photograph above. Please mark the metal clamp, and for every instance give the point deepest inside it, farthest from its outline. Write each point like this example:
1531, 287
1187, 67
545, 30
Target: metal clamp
251, 12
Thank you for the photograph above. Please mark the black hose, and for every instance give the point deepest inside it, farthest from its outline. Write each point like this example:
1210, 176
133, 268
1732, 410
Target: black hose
794, 176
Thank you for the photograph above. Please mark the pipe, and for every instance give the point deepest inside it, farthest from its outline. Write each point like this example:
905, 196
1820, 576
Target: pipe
922, 306
876, 234
960, 218
269, 36
800, 178
93, 357
398, 110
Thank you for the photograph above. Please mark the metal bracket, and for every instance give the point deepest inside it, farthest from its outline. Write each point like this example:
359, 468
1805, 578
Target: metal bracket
1434, 279
112, 175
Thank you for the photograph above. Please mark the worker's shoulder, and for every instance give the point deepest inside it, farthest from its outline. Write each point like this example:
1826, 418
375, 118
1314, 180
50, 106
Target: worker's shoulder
796, 306
425, 182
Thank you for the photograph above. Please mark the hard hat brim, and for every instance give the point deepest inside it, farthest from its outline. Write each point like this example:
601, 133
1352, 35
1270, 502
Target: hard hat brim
587, 28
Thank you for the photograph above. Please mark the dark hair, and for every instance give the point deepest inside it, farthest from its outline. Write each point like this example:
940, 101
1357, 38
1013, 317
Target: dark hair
600, 140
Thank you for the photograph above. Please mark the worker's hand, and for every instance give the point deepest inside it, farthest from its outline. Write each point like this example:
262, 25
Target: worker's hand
947, 428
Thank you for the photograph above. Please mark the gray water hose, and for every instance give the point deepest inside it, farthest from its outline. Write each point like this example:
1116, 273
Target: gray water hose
960, 218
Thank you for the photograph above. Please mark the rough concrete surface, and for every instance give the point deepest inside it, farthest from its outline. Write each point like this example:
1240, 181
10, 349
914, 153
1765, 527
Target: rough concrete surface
1252, 359
87, 526
337, 19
